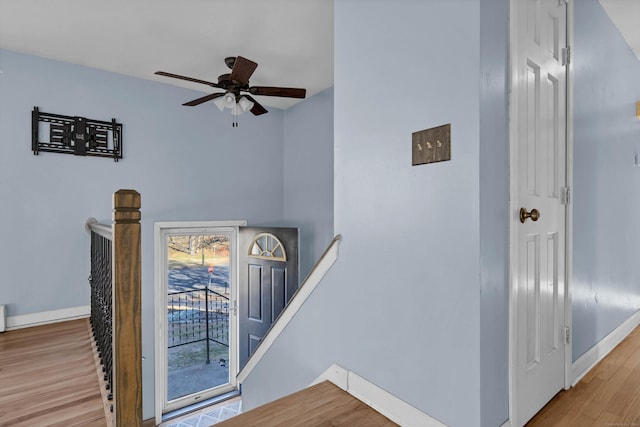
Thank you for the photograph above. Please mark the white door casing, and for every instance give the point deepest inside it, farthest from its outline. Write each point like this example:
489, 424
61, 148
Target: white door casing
161, 231
538, 159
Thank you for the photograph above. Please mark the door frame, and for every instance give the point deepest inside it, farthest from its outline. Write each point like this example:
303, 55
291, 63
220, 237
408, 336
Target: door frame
160, 300
514, 54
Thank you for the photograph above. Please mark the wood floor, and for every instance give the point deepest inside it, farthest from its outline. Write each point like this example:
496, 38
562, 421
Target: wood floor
609, 395
321, 405
48, 377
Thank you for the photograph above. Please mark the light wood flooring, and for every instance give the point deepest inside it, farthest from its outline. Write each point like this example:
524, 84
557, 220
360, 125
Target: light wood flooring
48, 377
609, 395
321, 405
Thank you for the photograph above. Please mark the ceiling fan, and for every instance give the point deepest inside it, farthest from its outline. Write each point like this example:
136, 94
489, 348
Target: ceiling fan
237, 92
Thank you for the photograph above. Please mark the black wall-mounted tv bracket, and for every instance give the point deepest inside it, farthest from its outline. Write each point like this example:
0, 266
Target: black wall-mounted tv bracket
76, 135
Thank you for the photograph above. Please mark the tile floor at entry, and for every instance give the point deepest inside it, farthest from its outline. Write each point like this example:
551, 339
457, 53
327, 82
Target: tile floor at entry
208, 416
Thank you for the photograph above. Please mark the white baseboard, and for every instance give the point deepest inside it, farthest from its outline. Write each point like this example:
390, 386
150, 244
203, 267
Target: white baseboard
596, 353
382, 401
46, 317
599, 351
3, 317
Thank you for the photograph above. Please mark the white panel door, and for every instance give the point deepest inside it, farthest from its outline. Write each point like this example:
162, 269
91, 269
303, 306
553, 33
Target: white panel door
539, 285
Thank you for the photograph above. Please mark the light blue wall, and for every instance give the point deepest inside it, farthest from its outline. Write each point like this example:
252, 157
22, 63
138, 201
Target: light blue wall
606, 270
398, 296
187, 163
401, 306
308, 175
409, 266
494, 212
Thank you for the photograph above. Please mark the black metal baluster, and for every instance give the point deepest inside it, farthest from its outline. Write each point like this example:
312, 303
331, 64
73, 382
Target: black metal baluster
101, 304
206, 319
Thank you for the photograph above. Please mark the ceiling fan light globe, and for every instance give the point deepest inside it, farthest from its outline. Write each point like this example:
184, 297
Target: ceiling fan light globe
245, 104
228, 100
219, 103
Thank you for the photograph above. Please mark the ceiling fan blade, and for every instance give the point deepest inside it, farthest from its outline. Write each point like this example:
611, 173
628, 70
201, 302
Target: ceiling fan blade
257, 109
242, 70
203, 99
190, 79
288, 92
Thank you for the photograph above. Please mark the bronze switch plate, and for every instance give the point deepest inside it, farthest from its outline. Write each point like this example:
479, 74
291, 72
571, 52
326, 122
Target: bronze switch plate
431, 145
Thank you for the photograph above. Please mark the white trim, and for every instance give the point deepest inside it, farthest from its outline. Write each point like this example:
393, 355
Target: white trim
200, 224
335, 374
304, 291
392, 407
599, 351
159, 267
513, 191
46, 317
568, 244
595, 354
160, 301
3, 317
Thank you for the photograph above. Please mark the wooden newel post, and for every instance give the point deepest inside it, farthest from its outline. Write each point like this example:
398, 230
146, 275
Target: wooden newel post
127, 337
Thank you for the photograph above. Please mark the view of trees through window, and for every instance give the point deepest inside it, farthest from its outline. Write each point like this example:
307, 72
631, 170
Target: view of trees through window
199, 249
198, 292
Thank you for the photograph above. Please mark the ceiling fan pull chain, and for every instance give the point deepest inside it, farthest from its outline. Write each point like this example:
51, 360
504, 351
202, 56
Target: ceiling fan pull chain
235, 115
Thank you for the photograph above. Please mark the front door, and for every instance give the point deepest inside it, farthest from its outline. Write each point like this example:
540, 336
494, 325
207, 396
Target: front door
538, 206
268, 278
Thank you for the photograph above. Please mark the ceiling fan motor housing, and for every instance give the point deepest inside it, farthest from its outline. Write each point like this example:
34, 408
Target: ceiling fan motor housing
226, 83
230, 61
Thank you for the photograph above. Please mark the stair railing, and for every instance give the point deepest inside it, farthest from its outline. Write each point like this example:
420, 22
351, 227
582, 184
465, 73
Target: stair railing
116, 305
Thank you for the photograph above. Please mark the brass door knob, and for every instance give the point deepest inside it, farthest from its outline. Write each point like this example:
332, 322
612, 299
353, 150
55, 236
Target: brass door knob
534, 215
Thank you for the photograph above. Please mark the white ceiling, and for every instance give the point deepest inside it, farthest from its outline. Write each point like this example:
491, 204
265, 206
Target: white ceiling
625, 14
291, 40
